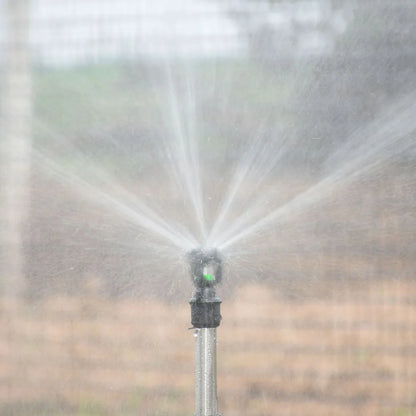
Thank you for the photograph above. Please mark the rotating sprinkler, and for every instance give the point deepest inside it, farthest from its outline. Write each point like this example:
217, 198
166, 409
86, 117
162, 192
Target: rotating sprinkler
206, 272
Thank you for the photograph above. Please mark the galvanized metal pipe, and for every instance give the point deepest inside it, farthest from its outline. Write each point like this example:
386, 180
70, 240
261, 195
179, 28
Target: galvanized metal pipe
206, 372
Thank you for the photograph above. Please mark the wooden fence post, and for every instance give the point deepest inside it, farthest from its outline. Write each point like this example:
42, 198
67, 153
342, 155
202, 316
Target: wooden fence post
15, 145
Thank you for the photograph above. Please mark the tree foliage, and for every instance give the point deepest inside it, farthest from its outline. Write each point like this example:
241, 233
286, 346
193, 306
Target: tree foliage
373, 64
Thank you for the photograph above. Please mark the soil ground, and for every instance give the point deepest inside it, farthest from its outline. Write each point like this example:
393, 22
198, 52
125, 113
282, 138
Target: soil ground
345, 354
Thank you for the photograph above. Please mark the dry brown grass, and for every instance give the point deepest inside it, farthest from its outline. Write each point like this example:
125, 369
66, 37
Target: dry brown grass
330, 356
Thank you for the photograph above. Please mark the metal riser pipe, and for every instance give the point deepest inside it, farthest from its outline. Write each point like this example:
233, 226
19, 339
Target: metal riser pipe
206, 372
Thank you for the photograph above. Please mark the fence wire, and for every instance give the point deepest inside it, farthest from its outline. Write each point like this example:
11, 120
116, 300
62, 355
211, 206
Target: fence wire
325, 326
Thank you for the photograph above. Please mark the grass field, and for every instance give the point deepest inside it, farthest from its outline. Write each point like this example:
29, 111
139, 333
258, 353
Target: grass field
345, 354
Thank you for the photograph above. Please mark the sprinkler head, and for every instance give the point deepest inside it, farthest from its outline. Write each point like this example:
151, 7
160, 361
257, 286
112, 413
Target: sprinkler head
206, 267
206, 272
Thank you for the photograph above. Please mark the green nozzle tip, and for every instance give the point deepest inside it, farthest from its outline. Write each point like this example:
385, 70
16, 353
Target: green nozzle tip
209, 277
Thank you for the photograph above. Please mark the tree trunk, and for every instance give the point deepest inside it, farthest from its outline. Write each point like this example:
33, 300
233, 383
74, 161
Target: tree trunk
15, 145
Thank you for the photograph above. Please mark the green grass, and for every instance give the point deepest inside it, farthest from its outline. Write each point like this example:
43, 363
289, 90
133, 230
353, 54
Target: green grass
106, 96
77, 100
104, 114
38, 408
404, 412
89, 407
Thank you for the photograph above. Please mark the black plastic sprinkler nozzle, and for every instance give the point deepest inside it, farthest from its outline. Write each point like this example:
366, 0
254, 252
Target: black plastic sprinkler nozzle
206, 271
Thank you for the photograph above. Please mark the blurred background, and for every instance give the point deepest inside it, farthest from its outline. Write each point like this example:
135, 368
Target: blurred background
311, 97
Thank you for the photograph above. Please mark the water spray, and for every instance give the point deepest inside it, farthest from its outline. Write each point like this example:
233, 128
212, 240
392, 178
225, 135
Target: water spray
206, 272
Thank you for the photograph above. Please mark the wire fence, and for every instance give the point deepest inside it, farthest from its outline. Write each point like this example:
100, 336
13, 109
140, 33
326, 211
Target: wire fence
328, 343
